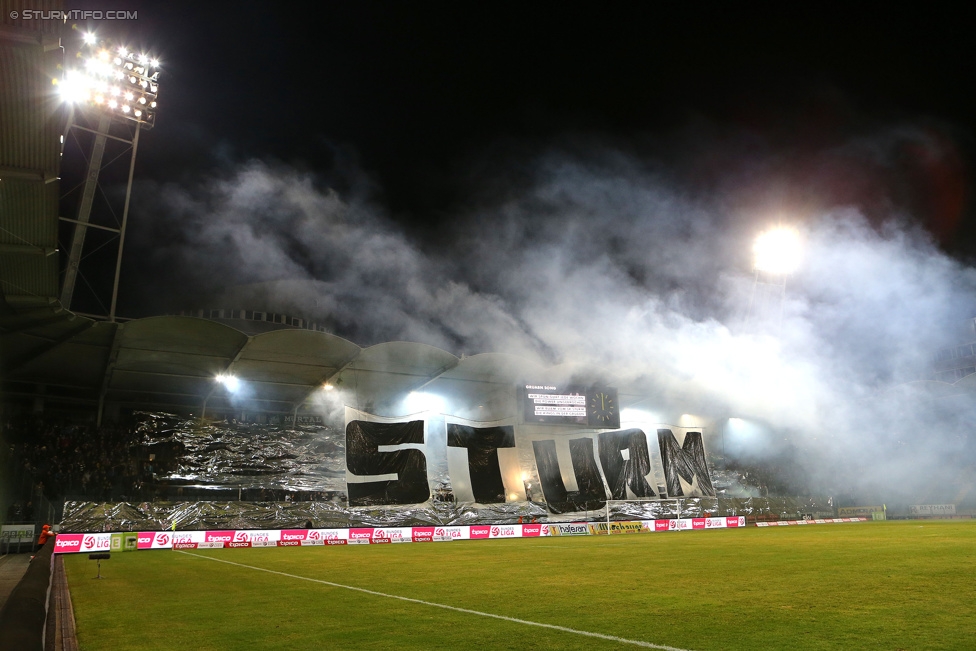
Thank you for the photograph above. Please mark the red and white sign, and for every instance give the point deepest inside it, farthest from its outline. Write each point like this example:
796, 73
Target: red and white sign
77, 542
423, 534
360, 536
184, 540
67, 543
395, 534
533, 530
477, 531
505, 531
446, 534
154, 540
293, 535
218, 536
254, 538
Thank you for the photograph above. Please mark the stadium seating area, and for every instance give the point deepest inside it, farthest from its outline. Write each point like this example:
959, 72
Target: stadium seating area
56, 458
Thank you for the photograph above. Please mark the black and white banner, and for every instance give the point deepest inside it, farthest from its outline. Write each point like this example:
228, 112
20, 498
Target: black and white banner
404, 461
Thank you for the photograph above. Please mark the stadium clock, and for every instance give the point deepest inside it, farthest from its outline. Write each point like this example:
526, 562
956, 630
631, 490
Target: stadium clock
603, 408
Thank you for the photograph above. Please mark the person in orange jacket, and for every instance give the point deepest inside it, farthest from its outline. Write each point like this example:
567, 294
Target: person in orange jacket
45, 534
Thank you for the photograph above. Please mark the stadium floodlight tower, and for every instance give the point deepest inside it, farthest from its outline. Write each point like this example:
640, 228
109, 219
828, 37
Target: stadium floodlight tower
777, 255
111, 92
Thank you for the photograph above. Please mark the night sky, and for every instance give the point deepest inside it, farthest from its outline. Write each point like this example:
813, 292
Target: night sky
430, 106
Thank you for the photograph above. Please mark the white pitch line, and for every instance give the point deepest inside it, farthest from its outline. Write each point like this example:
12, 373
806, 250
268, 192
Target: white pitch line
564, 629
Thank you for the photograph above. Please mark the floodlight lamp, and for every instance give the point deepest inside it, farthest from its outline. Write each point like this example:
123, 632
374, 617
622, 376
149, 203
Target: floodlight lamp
126, 109
89, 38
138, 114
129, 96
154, 63
328, 387
112, 103
230, 382
777, 251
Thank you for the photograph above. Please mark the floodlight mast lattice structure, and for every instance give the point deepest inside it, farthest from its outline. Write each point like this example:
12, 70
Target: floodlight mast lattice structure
118, 88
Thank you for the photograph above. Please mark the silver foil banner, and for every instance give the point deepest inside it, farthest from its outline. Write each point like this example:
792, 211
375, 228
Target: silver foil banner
159, 516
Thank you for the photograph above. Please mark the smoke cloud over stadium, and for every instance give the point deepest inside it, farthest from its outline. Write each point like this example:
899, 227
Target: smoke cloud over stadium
638, 264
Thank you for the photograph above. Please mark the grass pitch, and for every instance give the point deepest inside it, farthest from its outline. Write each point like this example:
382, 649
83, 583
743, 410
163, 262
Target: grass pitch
890, 585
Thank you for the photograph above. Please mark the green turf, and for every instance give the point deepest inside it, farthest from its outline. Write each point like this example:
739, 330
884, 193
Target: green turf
886, 585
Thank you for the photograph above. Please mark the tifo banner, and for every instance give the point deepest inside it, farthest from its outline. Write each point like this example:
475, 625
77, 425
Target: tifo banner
444, 468
231, 539
566, 470
932, 509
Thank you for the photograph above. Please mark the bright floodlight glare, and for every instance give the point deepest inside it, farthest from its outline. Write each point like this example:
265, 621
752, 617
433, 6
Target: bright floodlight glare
777, 250
420, 401
232, 383
328, 387
86, 83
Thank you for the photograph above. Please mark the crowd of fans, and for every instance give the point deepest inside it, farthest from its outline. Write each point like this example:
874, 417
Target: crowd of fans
58, 459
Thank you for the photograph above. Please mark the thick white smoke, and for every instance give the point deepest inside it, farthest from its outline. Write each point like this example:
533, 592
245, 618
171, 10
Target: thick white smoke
596, 260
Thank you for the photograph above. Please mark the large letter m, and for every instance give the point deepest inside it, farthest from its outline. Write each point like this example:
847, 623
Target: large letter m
686, 462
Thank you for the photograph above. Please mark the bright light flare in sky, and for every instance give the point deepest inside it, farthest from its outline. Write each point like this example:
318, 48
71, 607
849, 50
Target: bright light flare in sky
777, 250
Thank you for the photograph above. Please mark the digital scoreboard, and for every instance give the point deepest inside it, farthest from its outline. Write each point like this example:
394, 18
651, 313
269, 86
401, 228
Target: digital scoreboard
570, 405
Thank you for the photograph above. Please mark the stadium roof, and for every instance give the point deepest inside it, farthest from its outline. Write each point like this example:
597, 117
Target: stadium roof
30, 150
171, 362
